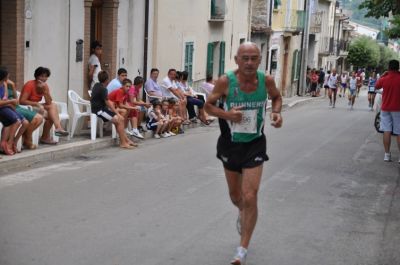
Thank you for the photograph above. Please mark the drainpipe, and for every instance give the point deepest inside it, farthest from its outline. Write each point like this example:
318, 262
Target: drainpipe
69, 49
146, 43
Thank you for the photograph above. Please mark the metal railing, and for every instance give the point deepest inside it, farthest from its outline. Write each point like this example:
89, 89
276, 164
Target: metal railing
295, 20
316, 22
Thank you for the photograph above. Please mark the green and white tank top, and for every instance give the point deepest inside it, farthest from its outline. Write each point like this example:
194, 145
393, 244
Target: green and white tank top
254, 106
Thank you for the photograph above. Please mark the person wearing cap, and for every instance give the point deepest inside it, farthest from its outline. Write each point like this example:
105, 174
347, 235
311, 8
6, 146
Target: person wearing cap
94, 63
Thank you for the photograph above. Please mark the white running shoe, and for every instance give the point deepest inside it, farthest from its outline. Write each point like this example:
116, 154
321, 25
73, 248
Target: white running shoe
240, 256
157, 136
387, 157
137, 134
128, 132
165, 135
171, 134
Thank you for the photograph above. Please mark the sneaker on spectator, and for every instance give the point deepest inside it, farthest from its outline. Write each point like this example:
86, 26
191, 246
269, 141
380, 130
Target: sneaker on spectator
240, 256
136, 133
165, 135
387, 157
194, 120
157, 136
128, 132
171, 133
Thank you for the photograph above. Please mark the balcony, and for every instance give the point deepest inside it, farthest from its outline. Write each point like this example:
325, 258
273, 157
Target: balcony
326, 46
217, 11
316, 22
294, 21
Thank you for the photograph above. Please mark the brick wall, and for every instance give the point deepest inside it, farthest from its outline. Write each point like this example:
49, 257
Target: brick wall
12, 38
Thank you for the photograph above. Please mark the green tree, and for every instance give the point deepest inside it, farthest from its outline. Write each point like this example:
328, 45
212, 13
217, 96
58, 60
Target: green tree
364, 52
387, 54
385, 8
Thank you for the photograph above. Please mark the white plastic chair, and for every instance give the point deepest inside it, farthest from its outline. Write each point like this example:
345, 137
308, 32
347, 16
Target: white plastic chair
77, 102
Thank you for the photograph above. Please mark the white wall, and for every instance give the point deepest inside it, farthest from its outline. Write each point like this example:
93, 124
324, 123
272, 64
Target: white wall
171, 29
131, 15
47, 32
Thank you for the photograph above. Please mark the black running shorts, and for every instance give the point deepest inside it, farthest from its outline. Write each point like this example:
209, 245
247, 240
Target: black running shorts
236, 156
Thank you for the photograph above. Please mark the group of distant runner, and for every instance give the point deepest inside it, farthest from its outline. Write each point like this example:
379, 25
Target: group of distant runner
345, 84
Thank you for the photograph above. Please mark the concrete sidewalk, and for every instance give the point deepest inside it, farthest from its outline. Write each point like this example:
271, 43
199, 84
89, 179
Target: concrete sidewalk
82, 144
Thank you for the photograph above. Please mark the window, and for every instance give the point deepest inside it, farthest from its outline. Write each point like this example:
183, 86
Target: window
217, 10
277, 4
189, 48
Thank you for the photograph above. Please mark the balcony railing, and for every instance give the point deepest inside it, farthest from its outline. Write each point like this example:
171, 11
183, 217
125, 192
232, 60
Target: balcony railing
342, 47
316, 22
326, 46
295, 21
217, 12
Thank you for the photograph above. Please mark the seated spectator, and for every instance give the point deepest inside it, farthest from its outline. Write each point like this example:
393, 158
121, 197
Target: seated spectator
14, 124
172, 91
117, 82
136, 116
208, 85
192, 101
34, 119
104, 108
168, 118
151, 86
176, 120
32, 94
120, 97
156, 121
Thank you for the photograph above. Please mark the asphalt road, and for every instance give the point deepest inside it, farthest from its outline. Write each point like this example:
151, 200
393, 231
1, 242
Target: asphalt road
327, 198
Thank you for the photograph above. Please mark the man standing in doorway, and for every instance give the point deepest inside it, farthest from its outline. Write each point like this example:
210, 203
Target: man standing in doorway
242, 144
390, 109
94, 63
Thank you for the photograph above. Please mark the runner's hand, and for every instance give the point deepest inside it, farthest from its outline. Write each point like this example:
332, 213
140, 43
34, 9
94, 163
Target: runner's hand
276, 119
235, 115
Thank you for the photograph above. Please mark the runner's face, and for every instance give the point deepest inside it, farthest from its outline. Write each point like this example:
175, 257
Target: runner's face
248, 59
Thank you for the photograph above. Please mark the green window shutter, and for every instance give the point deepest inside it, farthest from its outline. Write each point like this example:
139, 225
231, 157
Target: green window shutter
210, 58
221, 58
298, 66
294, 65
189, 60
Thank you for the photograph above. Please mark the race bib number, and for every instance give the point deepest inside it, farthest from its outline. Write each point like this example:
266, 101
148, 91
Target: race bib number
371, 89
248, 123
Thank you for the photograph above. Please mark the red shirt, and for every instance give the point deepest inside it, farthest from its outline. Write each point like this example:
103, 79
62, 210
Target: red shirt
134, 91
30, 89
118, 96
314, 78
391, 91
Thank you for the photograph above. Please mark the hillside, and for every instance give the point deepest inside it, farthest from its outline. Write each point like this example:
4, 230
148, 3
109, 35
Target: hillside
358, 15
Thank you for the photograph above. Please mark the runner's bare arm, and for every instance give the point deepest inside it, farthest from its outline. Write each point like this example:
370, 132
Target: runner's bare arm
220, 91
276, 98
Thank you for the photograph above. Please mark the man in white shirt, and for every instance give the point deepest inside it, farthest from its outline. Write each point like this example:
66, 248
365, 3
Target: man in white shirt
94, 63
170, 90
117, 82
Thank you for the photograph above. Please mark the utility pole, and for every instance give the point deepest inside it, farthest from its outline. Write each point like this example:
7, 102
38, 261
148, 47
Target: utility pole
304, 49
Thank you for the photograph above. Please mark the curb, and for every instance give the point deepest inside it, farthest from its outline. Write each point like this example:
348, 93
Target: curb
29, 158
